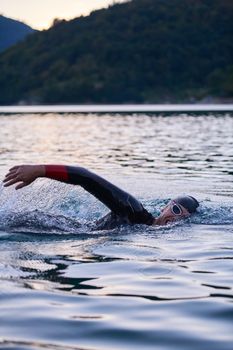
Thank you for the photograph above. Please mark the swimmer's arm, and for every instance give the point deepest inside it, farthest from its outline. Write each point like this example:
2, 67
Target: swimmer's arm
112, 196
117, 200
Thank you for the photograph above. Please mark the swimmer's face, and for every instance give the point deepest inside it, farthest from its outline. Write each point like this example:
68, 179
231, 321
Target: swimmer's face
172, 212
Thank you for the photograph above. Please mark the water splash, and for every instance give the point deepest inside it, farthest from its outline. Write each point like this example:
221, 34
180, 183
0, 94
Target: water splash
213, 213
64, 209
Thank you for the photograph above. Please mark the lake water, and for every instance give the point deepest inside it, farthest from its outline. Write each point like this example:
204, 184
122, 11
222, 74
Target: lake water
66, 287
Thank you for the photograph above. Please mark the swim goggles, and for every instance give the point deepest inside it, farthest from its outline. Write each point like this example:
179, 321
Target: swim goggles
176, 209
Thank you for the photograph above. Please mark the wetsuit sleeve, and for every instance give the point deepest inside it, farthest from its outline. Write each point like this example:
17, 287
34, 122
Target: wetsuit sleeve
118, 201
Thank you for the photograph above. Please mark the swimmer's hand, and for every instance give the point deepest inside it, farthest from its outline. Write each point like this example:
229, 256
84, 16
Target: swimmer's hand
24, 175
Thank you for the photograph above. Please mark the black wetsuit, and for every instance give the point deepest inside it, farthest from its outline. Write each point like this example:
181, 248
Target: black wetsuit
124, 207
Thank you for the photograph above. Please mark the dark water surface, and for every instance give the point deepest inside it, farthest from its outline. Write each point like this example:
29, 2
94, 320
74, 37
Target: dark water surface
66, 287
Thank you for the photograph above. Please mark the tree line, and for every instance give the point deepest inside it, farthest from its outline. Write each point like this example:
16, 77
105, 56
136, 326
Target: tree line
142, 51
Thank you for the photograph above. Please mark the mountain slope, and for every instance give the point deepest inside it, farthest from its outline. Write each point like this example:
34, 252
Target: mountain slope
12, 31
140, 51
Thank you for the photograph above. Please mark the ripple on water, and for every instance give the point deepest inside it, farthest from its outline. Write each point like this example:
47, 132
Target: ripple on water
66, 287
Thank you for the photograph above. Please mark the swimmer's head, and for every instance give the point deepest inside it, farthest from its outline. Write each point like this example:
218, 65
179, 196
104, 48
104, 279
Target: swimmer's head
178, 208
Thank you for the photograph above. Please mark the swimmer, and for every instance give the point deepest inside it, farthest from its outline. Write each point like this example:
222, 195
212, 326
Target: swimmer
124, 208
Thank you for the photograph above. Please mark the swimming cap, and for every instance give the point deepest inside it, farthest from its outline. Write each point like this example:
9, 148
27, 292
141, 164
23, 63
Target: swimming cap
188, 202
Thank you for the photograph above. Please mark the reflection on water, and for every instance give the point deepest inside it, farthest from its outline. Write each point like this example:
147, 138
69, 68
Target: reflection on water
173, 148
131, 285
64, 286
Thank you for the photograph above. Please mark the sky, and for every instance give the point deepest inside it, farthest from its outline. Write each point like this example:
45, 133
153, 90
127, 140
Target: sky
40, 14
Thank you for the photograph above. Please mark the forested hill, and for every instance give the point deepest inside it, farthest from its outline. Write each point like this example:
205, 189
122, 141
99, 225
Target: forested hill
139, 51
12, 31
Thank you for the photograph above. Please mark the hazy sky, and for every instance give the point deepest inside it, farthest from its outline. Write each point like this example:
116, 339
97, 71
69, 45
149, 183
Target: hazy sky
40, 13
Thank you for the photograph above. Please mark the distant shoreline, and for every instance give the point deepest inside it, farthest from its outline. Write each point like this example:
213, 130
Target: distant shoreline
130, 108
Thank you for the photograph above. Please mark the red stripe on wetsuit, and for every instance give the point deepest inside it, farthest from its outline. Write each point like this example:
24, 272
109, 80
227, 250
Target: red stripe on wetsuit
57, 172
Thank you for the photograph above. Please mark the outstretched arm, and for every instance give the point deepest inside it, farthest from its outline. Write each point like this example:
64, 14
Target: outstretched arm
117, 200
